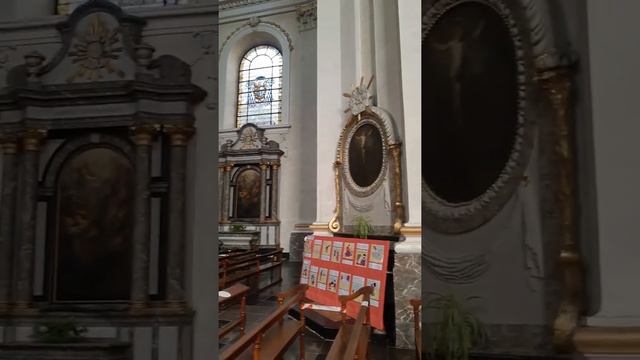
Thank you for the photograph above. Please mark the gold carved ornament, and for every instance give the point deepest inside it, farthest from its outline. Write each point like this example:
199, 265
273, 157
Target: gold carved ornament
334, 224
557, 83
94, 51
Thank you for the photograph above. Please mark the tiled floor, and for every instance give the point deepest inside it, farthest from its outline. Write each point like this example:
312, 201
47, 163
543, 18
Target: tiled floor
316, 347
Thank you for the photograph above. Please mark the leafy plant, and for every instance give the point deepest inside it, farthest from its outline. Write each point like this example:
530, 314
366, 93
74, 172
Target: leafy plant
363, 227
59, 332
238, 227
458, 330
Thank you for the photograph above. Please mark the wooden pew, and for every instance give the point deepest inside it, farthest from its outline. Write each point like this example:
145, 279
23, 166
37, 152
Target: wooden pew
250, 267
417, 304
237, 291
272, 337
352, 341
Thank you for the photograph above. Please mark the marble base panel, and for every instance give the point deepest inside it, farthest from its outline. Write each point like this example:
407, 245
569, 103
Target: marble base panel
296, 245
407, 280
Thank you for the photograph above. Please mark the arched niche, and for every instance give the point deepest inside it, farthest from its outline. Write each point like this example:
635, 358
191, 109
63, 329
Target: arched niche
251, 34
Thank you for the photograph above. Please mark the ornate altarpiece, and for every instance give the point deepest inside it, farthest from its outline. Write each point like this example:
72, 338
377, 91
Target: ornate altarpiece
91, 119
249, 172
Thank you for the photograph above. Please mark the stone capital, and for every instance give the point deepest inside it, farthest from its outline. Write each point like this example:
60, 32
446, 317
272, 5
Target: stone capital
9, 143
178, 135
142, 135
32, 139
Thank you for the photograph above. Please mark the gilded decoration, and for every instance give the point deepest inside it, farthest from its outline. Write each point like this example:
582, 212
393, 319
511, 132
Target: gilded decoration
95, 50
557, 83
367, 150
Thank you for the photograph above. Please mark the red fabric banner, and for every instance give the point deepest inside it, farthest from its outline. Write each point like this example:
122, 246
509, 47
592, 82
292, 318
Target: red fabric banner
334, 266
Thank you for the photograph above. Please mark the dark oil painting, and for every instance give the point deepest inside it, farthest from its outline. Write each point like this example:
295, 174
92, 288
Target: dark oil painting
470, 101
95, 227
248, 194
365, 155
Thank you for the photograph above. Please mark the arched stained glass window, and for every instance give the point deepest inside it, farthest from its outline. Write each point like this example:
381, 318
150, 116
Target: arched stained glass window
260, 87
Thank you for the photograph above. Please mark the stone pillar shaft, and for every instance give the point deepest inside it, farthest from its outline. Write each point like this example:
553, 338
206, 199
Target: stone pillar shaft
7, 216
178, 138
27, 221
274, 192
143, 138
226, 179
263, 192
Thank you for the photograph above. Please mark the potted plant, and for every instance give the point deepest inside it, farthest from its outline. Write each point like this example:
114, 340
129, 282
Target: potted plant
59, 332
363, 227
458, 330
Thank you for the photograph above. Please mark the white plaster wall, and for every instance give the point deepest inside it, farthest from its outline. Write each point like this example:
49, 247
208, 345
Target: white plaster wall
614, 74
296, 136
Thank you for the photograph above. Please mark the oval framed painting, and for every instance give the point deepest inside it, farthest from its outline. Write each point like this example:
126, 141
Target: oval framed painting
474, 124
364, 156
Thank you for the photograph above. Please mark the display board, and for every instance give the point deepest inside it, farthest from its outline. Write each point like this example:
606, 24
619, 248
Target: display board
334, 266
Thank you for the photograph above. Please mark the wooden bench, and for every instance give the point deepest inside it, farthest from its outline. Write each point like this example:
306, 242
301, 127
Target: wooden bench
237, 291
272, 337
250, 267
417, 304
352, 341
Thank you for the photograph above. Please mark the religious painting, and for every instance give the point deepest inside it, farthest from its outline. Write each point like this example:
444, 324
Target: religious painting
365, 155
95, 222
248, 194
470, 101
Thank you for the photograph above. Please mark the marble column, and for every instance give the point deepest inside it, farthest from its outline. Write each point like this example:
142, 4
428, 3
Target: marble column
7, 216
263, 191
178, 139
31, 140
274, 191
226, 180
143, 139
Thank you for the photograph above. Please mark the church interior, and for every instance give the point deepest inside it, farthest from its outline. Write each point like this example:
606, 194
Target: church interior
284, 156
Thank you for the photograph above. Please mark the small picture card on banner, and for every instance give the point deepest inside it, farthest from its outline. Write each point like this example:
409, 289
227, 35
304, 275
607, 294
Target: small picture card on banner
326, 250
376, 257
313, 277
345, 284
337, 250
317, 248
348, 254
322, 279
333, 280
357, 284
361, 254
304, 276
375, 296
308, 241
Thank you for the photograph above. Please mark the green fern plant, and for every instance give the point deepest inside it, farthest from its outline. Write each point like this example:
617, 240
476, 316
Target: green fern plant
363, 227
458, 330
238, 227
59, 332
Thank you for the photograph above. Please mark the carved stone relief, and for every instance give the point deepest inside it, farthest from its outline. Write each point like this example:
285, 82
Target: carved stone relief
307, 16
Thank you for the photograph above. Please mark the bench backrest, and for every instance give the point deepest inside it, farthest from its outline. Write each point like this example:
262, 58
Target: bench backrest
353, 344
252, 337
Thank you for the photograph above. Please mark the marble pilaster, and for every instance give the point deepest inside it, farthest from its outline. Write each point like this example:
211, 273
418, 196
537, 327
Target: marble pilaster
226, 179
143, 139
31, 140
263, 192
274, 191
178, 139
7, 215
